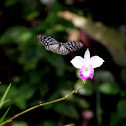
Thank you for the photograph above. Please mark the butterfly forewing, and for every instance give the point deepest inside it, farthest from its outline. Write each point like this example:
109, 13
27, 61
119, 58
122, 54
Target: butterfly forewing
46, 40
53, 45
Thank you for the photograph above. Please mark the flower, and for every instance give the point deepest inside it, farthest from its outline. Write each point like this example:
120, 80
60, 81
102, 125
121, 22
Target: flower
87, 64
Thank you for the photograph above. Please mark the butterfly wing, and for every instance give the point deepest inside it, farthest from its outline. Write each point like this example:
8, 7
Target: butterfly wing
46, 40
73, 45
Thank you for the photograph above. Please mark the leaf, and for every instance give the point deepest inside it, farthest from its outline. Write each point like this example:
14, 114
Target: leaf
18, 97
123, 75
16, 34
20, 123
10, 2
2, 101
58, 62
121, 108
82, 103
104, 76
88, 88
3, 117
114, 119
47, 123
110, 88
67, 110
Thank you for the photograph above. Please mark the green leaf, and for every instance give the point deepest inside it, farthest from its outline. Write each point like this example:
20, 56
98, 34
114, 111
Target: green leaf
2, 101
3, 117
10, 2
121, 108
82, 103
19, 96
114, 119
88, 88
66, 110
16, 34
123, 75
104, 76
20, 123
47, 123
58, 62
110, 88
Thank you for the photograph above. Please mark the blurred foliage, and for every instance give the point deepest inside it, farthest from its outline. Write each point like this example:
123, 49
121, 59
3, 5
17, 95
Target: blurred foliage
3, 101
39, 75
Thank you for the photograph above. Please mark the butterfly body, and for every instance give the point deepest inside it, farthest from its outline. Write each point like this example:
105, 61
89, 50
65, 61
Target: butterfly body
53, 45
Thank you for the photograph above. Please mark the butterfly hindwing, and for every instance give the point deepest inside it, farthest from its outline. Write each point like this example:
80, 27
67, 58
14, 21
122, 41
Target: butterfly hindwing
73, 45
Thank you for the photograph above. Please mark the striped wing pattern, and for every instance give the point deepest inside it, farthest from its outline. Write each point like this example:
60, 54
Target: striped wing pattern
53, 45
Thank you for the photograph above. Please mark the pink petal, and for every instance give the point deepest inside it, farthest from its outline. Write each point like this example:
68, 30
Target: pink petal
77, 62
96, 61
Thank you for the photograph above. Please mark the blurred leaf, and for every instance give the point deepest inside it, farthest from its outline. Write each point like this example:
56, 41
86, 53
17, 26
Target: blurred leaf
59, 28
82, 103
19, 123
16, 79
114, 119
110, 88
104, 76
17, 34
53, 96
3, 117
30, 57
121, 108
66, 92
2, 101
29, 6
123, 75
47, 123
33, 15
44, 89
66, 110
58, 62
20, 95
88, 88
10, 2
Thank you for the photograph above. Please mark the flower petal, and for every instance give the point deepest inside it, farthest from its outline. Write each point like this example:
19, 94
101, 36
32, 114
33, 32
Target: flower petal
87, 55
96, 61
77, 61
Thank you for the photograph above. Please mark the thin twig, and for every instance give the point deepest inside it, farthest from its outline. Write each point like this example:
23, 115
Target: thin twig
42, 104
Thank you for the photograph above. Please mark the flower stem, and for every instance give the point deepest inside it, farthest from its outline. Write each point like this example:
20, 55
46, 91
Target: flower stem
42, 104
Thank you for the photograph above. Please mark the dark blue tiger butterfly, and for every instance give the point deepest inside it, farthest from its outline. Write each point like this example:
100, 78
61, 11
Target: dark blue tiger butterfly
53, 45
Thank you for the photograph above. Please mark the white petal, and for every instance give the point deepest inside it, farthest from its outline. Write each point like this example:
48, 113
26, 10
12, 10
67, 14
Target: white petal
77, 62
87, 55
96, 61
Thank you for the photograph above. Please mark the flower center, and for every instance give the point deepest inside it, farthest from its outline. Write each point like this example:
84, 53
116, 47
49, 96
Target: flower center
86, 72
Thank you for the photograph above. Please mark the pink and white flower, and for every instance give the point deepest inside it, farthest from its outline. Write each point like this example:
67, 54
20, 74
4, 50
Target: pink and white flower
87, 64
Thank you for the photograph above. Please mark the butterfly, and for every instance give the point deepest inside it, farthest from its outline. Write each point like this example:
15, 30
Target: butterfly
53, 45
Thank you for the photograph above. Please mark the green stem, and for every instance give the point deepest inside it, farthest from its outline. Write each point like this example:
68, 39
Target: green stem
42, 104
